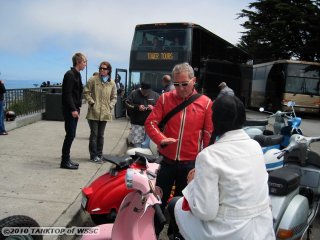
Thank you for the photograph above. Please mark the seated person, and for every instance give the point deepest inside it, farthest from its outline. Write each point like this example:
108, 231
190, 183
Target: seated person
227, 195
145, 44
176, 42
156, 44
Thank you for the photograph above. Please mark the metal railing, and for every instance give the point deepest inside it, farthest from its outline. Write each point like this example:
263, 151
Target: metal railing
28, 100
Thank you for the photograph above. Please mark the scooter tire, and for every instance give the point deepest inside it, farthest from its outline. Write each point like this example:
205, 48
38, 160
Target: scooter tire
19, 221
99, 219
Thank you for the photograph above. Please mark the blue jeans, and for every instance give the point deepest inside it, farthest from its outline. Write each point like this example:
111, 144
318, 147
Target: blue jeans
2, 128
96, 138
70, 126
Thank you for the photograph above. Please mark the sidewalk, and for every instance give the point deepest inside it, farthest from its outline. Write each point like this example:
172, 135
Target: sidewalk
31, 181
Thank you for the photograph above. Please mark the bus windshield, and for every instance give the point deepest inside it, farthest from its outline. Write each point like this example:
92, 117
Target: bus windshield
147, 76
161, 39
303, 79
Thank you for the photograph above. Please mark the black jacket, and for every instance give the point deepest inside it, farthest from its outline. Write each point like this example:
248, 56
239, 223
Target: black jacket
133, 102
2, 91
72, 90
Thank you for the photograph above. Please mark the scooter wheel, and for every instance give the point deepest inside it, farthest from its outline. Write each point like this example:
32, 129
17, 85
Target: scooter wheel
99, 219
19, 221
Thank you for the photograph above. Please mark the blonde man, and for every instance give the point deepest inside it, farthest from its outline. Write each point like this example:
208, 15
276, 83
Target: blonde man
71, 102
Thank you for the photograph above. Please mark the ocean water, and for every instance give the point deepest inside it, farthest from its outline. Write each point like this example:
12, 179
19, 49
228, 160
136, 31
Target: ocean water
17, 84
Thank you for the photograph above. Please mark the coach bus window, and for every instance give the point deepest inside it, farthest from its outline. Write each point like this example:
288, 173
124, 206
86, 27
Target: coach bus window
167, 39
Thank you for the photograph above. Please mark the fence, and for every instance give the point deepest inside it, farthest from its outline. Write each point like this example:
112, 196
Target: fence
27, 101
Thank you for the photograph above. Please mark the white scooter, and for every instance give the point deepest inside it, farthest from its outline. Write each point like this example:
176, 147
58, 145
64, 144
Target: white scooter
295, 189
282, 131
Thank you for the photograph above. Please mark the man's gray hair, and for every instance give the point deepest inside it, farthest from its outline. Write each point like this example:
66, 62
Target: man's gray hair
183, 67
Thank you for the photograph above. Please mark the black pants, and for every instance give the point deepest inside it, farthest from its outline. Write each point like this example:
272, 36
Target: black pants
96, 137
70, 126
173, 224
172, 174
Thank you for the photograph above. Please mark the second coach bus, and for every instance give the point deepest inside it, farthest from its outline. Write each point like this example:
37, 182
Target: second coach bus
277, 82
157, 48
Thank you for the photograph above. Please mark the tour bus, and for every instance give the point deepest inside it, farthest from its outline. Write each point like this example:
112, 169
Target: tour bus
277, 82
157, 48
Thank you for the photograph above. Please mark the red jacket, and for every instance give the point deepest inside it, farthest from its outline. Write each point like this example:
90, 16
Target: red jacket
192, 126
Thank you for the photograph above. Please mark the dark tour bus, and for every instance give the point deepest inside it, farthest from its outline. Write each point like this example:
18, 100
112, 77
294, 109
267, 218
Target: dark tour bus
157, 48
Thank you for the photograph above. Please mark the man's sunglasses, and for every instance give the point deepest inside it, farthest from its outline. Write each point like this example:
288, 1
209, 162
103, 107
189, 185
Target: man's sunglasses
101, 68
183, 84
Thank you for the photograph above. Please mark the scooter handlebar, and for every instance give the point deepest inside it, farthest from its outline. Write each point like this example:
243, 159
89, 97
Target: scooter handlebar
285, 150
281, 154
160, 216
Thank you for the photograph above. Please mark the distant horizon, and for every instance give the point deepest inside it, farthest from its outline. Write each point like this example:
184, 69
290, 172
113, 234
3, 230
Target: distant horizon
18, 84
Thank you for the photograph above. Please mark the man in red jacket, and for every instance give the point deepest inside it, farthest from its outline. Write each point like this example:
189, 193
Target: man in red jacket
184, 135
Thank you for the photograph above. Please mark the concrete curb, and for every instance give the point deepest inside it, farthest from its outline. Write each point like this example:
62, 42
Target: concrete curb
23, 121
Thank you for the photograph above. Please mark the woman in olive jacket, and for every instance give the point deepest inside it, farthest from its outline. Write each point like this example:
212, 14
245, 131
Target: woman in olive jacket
101, 94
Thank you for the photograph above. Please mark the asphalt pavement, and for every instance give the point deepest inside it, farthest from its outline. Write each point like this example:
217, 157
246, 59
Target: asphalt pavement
31, 180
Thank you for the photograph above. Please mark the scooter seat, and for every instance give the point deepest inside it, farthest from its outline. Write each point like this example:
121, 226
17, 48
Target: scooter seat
256, 122
150, 158
268, 140
119, 161
283, 181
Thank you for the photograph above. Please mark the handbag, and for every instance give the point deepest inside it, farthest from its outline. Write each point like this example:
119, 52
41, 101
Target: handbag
177, 109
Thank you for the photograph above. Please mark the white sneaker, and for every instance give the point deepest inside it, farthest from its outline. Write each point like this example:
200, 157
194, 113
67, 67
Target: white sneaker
96, 160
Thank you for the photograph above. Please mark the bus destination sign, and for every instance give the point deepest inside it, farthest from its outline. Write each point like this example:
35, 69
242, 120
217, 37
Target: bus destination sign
154, 56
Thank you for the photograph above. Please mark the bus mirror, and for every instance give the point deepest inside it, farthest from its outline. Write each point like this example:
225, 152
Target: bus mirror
261, 109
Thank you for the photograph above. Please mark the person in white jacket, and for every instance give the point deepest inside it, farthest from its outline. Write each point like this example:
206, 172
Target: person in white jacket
227, 195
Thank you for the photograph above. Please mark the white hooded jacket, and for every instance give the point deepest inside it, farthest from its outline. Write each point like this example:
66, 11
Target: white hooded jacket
228, 197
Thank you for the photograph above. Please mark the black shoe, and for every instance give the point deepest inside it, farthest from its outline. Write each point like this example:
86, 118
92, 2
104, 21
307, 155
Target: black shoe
68, 165
74, 163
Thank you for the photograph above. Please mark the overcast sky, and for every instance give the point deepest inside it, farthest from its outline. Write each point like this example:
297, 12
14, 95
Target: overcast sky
39, 37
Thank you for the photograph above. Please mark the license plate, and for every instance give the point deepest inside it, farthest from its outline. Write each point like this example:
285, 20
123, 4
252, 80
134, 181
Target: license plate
84, 202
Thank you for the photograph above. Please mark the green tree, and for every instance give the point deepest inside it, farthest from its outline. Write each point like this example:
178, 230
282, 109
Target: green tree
282, 29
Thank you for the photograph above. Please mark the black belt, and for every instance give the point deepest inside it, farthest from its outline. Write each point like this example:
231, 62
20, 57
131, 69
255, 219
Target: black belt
174, 162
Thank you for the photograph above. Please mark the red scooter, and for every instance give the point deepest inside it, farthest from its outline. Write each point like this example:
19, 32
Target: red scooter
135, 219
102, 198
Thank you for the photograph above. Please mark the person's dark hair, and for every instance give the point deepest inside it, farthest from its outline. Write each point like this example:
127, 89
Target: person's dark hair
108, 66
145, 85
228, 113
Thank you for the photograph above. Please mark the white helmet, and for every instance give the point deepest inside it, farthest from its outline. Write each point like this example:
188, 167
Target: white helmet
271, 160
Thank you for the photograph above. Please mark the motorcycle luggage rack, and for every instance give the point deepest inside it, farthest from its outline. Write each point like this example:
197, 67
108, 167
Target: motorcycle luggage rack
283, 181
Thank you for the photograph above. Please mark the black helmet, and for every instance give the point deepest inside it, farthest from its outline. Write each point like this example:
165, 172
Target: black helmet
10, 116
228, 113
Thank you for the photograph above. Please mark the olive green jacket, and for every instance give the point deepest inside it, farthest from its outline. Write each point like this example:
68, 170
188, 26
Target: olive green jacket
101, 98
